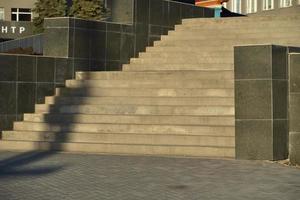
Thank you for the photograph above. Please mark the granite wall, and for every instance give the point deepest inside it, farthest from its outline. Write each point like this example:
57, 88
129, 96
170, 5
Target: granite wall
26, 80
261, 101
294, 108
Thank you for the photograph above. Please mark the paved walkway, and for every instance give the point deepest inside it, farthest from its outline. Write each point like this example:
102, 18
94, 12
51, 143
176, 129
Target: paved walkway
53, 176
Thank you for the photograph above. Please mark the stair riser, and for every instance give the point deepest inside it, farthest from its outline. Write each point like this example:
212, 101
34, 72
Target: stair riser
190, 49
237, 36
96, 92
183, 54
150, 84
197, 67
123, 119
120, 128
120, 149
140, 101
182, 60
167, 76
122, 139
138, 110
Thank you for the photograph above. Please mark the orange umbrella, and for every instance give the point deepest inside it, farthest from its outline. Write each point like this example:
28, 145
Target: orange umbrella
209, 3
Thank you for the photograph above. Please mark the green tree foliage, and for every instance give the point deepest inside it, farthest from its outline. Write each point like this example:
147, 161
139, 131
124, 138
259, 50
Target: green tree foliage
89, 9
48, 8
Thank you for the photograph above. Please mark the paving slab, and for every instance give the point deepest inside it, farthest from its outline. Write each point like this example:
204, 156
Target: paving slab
57, 176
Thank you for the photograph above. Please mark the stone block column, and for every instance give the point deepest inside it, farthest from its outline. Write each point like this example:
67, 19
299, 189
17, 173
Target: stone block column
294, 107
261, 102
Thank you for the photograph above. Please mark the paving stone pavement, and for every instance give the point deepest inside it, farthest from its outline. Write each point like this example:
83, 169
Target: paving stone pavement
56, 176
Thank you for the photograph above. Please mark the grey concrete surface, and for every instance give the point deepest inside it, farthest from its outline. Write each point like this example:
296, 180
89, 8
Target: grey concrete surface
54, 176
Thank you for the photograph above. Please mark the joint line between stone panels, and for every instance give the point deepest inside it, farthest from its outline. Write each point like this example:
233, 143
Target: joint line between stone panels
36, 80
17, 79
254, 119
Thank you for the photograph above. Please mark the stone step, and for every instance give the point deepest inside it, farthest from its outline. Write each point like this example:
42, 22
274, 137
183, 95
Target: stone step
192, 59
242, 21
237, 36
191, 35
149, 84
189, 49
216, 30
126, 128
169, 75
137, 109
144, 92
169, 150
121, 138
184, 54
131, 119
140, 101
172, 67
230, 43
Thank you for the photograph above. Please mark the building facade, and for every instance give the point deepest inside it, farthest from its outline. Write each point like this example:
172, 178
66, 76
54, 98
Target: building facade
255, 6
16, 10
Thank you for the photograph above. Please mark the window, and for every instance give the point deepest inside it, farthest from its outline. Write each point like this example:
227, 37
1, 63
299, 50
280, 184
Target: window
251, 6
21, 14
1, 13
236, 6
285, 3
268, 4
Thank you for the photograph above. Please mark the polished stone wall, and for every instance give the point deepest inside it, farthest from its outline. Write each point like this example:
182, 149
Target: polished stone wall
108, 45
294, 107
26, 80
261, 102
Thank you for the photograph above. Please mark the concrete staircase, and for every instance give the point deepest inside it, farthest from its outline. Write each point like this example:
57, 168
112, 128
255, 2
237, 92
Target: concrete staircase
177, 98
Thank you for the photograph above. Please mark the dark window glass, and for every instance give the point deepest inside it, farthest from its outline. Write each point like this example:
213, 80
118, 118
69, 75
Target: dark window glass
24, 17
14, 10
13, 17
24, 10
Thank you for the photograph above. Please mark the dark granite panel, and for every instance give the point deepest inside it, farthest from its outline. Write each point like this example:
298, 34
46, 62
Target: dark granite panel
198, 12
122, 10
165, 13
113, 66
294, 112
253, 99
127, 28
26, 97
8, 68
141, 11
187, 11
97, 65
174, 14
280, 99
127, 48
111, 27
252, 62
83, 24
99, 26
279, 62
113, 45
63, 70
254, 139
43, 90
56, 42
57, 22
209, 12
294, 75
45, 69
81, 65
27, 68
156, 12
98, 45
8, 98
155, 30
280, 139
294, 148
82, 43
6, 122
